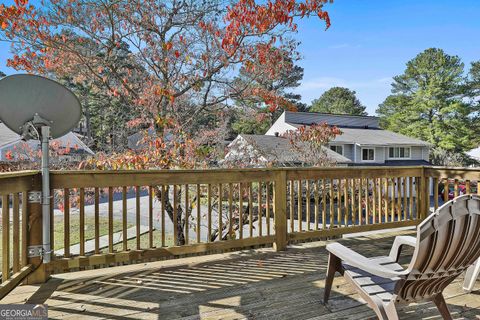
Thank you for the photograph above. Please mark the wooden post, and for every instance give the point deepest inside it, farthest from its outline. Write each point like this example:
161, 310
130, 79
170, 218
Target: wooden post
425, 195
280, 211
35, 229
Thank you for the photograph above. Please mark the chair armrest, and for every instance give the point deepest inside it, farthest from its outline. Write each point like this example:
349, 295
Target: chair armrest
357, 260
397, 246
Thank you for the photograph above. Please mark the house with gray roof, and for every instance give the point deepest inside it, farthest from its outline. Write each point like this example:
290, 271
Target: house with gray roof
261, 150
12, 148
361, 141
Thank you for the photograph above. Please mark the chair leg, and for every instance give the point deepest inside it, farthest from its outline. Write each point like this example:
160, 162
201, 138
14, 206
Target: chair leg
391, 311
471, 276
334, 265
442, 307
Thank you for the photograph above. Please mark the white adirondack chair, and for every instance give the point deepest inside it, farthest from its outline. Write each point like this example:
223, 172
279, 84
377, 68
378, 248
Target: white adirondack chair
447, 243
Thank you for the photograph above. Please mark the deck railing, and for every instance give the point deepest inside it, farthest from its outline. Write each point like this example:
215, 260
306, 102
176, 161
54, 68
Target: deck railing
106, 218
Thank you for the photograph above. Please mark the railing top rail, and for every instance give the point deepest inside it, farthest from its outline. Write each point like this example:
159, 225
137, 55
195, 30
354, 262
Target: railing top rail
474, 169
19, 181
14, 174
176, 171
453, 173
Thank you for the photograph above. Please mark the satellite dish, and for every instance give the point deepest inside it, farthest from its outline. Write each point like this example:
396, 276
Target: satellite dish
24, 96
39, 108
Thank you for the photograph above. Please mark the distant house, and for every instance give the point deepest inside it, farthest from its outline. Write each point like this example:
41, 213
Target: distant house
362, 141
260, 150
12, 148
474, 154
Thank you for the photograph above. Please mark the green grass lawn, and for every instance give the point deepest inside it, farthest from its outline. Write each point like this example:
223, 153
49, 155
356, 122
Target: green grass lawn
103, 229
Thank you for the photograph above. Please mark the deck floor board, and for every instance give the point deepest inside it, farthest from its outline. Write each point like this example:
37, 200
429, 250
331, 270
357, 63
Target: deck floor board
253, 284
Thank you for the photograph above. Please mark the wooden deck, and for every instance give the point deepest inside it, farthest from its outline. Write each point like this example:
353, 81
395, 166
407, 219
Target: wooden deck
255, 284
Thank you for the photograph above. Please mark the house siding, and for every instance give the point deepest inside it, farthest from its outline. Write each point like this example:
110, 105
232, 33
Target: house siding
355, 132
348, 151
416, 153
280, 126
379, 154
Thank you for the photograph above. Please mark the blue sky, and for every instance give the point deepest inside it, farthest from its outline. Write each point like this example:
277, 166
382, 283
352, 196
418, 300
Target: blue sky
370, 41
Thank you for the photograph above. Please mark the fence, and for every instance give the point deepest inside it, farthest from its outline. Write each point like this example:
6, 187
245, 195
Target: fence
106, 218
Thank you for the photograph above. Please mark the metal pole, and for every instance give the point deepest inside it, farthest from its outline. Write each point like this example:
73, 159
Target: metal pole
45, 136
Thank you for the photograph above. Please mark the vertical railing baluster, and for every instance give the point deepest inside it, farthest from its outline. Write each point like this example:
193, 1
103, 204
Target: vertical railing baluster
360, 204
292, 206
435, 193
66, 223
399, 198
97, 220
378, 183
110, 219
230, 211
220, 211
150, 216
300, 206
307, 203
175, 215
404, 180
199, 196
163, 199
354, 201
5, 238
324, 204
347, 196
267, 206
250, 209
240, 210
124, 219
137, 217
339, 202
259, 203
209, 212
16, 232
386, 207
332, 204
418, 193
367, 204
316, 199
25, 227
410, 198
81, 205
52, 222
393, 201
187, 215
374, 201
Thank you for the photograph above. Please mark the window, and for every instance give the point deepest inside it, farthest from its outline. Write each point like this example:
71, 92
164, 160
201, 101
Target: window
368, 154
399, 152
337, 149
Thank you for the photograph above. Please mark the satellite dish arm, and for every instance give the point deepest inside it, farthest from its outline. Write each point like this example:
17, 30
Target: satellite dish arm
45, 135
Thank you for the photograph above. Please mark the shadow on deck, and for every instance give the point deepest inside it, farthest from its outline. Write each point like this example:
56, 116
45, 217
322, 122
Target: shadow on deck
256, 284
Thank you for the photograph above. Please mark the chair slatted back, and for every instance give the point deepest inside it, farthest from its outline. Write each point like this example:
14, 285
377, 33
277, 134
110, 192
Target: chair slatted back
448, 242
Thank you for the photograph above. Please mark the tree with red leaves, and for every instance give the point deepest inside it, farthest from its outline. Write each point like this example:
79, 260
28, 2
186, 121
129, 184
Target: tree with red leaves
183, 59
181, 52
